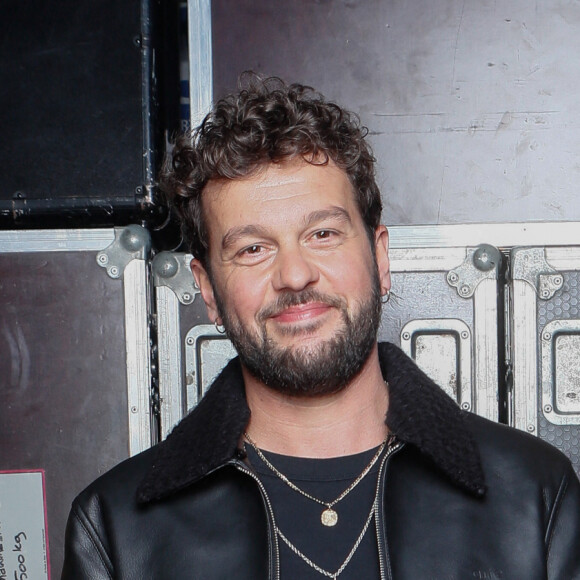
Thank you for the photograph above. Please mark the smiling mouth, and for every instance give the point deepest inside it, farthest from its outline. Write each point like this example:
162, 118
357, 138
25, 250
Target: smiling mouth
298, 312
306, 312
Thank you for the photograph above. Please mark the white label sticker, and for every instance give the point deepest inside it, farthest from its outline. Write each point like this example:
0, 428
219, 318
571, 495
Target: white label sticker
23, 538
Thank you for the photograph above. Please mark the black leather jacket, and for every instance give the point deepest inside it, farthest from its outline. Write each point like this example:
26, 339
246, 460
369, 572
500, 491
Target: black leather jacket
461, 498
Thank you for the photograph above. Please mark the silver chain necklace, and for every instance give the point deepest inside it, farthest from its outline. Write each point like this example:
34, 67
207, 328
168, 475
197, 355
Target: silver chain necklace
329, 516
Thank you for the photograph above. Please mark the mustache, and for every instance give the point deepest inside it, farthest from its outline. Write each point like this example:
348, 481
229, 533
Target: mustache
289, 299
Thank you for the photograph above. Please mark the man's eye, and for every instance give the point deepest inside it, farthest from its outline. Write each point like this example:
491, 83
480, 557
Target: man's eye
323, 234
252, 250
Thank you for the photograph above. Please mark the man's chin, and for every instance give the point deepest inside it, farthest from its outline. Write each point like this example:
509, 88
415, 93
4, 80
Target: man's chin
310, 330
307, 368
309, 345
313, 345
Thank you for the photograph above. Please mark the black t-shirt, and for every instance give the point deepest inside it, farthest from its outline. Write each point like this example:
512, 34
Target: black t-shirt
298, 517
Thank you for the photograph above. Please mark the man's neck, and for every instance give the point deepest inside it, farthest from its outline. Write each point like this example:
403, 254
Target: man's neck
343, 423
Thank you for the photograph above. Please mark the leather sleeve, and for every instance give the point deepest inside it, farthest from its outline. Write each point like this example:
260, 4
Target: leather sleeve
86, 554
563, 530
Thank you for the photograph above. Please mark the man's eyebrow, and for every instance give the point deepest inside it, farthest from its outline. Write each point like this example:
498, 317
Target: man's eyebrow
333, 212
235, 233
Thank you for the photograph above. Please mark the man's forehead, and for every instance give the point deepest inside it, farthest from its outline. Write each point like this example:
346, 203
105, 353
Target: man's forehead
274, 177
256, 188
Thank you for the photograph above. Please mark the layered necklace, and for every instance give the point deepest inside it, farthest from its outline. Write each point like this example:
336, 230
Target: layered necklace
329, 516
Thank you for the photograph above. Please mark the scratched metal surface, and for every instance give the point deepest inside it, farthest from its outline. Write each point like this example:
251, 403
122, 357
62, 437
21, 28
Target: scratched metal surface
472, 104
63, 386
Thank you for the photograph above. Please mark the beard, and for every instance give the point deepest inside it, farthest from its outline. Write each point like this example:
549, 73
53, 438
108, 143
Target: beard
314, 369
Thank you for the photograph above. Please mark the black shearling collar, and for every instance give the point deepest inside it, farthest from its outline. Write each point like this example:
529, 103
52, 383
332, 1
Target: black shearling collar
420, 414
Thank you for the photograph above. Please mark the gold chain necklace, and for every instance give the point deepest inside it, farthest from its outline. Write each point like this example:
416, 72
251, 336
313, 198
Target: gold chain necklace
329, 516
357, 543
392, 446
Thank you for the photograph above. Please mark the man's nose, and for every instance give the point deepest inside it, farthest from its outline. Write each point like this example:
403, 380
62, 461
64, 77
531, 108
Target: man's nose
294, 270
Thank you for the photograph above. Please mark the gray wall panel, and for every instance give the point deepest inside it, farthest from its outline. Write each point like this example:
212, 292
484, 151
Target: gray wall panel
63, 386
472, 104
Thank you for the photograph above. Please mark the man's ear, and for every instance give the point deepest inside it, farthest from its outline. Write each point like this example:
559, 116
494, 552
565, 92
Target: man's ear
203, 282
382, 257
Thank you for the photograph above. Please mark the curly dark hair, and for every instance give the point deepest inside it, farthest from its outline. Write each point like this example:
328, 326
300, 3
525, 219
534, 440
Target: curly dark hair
267, 121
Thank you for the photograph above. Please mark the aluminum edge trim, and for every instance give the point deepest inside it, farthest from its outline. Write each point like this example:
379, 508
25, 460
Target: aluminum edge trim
524, 357
200, 59
169, 359
56, 240
473, 234
138, 361
485, 350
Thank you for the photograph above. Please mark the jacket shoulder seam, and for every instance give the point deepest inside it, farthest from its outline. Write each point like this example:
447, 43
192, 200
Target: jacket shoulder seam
552, 522
91, 534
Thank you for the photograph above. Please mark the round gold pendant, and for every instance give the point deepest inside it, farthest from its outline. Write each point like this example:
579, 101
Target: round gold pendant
329, 517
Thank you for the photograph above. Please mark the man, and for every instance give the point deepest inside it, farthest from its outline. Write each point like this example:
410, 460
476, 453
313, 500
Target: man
317, 453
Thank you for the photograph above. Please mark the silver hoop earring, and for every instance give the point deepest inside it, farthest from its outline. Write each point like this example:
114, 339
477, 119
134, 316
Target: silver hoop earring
219, 327
386, 297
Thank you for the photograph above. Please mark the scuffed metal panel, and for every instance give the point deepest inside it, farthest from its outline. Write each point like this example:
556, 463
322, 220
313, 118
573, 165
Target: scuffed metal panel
74, 375
472, 105
546, 349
